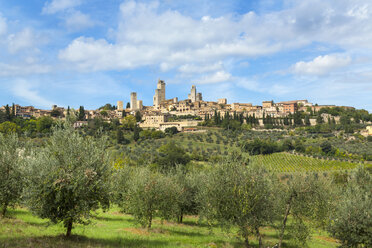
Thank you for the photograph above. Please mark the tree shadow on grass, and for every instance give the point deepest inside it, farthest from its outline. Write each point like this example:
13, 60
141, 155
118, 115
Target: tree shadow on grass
78, 241
119, 218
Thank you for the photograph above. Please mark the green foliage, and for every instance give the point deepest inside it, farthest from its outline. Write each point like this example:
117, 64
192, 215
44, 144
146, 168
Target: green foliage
44, 124
258, 146
108, 107
69, 178
81, 115
56, 113
171, 155
351, 220
9, 127
12, 167
136, 133
171, 130
138, 116
151, 195
306, 198
235, 195
129, 122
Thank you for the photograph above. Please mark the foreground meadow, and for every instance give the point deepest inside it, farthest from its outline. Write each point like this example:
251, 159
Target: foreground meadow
114, 229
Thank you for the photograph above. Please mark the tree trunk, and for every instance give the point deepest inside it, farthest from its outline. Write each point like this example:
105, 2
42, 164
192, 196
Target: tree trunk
180, 217
150, 221
3, 212
260, 245
288, 209
246, 241
69, 228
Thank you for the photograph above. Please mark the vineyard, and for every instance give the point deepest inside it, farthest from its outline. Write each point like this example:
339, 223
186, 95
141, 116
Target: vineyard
285, 162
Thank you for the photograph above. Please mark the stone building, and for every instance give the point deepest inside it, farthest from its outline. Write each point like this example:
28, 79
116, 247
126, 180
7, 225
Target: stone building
159, 96
222, 101
120, 105
133, 101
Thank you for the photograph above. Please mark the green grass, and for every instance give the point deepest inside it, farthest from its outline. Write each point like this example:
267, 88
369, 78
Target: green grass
113, 229
285, 162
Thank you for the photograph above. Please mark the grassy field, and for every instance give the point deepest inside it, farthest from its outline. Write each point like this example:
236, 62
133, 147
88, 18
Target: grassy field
285, 162
113, 229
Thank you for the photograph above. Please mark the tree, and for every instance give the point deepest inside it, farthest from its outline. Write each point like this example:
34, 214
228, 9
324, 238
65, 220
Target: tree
12, 165
138, 116
69, 178
9, 127
13, 111
55, 113
129, 122
8, 115
171, 130
136, 133
306, 199
119, 136
81, 116
351, 220
319, 119
44, 124
151, 195
128, 105
326, 147
307, 120
235, 195
171, 155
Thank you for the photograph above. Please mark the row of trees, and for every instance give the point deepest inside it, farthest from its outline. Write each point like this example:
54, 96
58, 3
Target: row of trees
72, 175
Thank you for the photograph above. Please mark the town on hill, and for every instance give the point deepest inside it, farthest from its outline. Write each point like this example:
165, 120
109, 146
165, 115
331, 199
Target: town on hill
194, 111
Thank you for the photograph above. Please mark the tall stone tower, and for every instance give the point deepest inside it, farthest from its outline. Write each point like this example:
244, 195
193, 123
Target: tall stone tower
133, 101
194, 96
159, 94
120, 105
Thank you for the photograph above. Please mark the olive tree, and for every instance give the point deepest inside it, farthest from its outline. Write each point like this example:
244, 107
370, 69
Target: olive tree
12, 164
150, 195
351, 220
236, 195
69, 178
307, 199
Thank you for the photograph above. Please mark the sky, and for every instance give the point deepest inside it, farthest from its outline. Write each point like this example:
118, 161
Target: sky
93, 52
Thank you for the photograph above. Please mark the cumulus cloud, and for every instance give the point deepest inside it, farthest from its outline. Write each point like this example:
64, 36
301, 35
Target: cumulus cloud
21, 40
192, 68
76, 21
149, 35
217, 77
321, 65
55, 6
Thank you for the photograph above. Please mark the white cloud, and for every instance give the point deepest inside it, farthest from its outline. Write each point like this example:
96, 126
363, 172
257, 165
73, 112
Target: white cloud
193, 68
21, 40
76, 21
321, 65
149, 35
23, 69
217, 77
26, 91
59, 5
3, 25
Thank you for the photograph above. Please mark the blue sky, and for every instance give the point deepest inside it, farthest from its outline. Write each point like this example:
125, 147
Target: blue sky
92, 52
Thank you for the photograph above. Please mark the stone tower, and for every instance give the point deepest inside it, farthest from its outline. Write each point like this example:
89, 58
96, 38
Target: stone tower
159, 94
120, 105
133, 101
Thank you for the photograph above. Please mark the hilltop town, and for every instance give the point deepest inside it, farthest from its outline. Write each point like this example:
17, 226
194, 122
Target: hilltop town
190, 112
